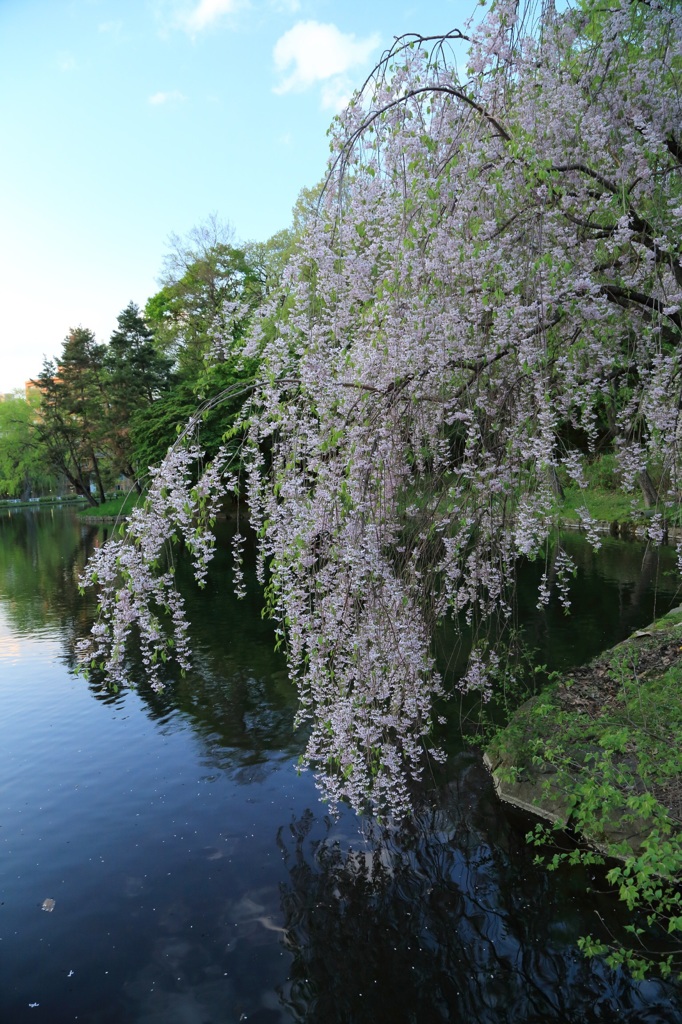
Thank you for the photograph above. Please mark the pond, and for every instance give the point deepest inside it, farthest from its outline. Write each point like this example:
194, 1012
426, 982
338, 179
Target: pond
162, 861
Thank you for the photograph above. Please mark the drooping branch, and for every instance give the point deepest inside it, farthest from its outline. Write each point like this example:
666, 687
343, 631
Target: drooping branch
622, 296
675, 148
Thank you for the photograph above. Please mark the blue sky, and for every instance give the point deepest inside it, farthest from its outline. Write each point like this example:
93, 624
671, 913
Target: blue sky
123, 121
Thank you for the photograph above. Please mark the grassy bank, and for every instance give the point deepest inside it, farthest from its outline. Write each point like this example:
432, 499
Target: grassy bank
600, 752
604, 498
604, 505
117, 508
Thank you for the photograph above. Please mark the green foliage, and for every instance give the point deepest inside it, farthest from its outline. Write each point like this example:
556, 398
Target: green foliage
23, 470
267, 260
70, 428
137, 374
617, 775
88, 397
602, 473
306, 209
191, 312
156, 427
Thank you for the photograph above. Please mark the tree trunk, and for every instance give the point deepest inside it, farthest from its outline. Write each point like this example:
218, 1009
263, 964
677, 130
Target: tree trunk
130, 473
649, 492
80, 487
98, 478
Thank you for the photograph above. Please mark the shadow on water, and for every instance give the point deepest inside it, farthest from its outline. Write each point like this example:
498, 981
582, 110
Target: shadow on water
621, 587
237, 695
449, 921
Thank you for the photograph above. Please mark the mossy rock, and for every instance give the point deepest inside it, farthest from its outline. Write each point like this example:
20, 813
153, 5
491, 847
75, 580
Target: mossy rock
609, 733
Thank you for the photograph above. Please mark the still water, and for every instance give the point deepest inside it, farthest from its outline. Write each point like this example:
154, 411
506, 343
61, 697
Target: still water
194, 874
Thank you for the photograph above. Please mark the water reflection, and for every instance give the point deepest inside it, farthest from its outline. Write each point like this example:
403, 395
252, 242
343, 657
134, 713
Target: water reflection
158, 822
239, 682
42, 554
450, 921
620, 587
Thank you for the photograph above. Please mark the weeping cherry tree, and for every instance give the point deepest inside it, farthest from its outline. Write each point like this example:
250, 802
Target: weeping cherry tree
494, 272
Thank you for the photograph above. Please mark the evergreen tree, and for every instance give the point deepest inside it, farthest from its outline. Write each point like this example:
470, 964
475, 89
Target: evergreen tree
137, 375
71, 425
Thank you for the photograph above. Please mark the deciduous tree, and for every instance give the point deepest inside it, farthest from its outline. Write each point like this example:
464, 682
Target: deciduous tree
23, 472
496, 256
210, 288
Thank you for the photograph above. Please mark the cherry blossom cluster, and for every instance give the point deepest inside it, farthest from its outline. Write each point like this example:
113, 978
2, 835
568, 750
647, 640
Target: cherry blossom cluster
231, 321
134, 575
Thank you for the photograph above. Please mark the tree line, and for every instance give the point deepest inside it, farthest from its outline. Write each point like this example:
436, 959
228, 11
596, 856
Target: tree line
99, 414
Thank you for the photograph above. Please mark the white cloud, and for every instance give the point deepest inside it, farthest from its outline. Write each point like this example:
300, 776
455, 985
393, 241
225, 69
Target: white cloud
336, 93
311, 52
206, 12
65, 62
287, 6
113, 27
159, 98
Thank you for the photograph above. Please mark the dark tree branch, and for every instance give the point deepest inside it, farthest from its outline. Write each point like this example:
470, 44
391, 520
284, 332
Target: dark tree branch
621, 296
